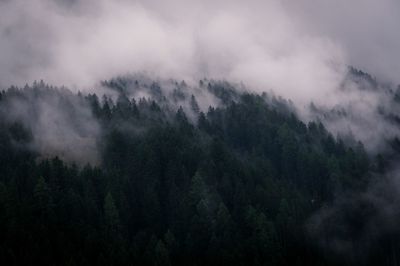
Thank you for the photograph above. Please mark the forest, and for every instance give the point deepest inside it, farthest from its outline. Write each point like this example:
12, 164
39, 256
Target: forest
177, 182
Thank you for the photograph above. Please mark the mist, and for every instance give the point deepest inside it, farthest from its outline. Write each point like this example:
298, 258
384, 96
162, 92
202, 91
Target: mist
79, 43
60, 123
356, 224
365, 29
299, 50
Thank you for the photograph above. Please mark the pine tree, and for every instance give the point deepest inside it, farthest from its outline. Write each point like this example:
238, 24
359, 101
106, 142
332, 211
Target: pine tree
161, 254
43, 199
194, 105
111, 215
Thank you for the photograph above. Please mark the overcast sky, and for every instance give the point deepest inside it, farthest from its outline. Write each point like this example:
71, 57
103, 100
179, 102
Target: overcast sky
297, 48
366, 29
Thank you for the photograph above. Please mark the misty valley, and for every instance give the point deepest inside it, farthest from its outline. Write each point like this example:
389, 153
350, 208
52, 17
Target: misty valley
164, 172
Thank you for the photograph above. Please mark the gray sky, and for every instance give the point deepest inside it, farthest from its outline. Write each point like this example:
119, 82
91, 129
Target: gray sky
298, 48
367, 30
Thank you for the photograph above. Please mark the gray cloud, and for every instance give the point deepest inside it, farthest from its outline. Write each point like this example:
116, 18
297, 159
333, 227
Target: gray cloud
297, 49
84, 41
366, 29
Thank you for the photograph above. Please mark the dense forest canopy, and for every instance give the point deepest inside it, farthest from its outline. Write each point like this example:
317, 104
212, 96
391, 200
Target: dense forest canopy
160, 178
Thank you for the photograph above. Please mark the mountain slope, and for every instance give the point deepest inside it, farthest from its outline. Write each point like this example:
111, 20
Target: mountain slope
171, 180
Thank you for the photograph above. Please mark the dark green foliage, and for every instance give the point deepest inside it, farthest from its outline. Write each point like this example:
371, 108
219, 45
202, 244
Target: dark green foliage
233, 188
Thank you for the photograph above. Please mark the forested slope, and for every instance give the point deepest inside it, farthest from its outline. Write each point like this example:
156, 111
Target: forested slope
173, 182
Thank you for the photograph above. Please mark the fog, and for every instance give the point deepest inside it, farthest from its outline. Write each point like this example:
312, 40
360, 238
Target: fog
61, 123
297, 49
78, 43
366, 30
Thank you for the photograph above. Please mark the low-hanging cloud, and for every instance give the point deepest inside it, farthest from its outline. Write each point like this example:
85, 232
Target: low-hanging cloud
78, 43
366, 30
61, 124
297, 49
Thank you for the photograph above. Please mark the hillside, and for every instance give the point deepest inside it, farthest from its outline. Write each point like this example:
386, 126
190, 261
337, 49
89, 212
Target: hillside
151, 175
